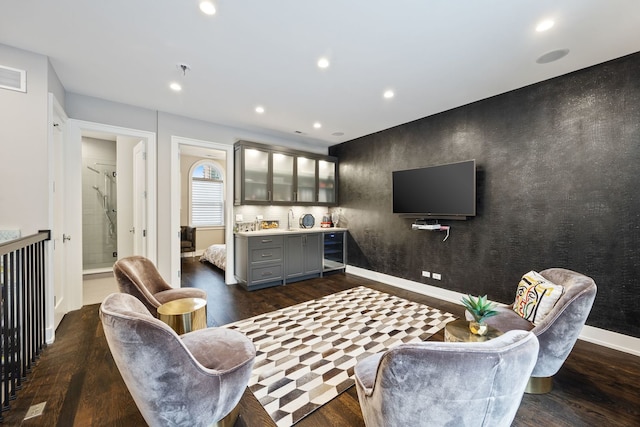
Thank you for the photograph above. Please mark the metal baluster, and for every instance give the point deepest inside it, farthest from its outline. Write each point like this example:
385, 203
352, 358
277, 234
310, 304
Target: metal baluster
5, 334
11, 362
41, 284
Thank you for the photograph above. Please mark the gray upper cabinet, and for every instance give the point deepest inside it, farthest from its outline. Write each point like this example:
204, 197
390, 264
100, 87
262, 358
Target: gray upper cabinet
267, 175
307, 183
327, 170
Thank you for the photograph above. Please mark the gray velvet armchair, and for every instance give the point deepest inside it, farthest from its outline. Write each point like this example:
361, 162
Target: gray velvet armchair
195, 379
447, 384
137, 276
559, 330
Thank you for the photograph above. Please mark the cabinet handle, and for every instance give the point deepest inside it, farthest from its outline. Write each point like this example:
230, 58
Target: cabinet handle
269, 193
266, 255
266, 241
267, 273
295, 196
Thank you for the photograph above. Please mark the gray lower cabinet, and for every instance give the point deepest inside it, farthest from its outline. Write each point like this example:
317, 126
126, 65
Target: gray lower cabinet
303, 257
272, 260
259, 261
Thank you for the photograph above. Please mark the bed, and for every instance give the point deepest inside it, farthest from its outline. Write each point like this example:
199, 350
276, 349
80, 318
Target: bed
216, 255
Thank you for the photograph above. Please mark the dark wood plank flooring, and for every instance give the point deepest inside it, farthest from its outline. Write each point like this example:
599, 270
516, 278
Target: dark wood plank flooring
78, 379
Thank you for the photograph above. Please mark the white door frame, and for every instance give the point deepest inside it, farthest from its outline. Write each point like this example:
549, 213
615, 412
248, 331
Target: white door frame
57, 288
140, 198
73, 166
176, 141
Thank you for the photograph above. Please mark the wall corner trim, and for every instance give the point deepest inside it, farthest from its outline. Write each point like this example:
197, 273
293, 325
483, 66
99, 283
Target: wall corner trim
603, 337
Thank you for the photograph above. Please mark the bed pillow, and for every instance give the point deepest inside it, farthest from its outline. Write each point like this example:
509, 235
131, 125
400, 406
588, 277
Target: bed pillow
535, 297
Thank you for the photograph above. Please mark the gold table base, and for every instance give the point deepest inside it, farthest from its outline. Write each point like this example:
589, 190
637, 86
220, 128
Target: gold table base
184, 315
458, 331
230, 419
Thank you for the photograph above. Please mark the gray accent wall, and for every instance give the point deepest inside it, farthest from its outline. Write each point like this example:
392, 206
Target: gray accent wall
557, 186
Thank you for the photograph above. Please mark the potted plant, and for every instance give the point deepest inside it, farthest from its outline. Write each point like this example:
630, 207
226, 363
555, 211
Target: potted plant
480, 308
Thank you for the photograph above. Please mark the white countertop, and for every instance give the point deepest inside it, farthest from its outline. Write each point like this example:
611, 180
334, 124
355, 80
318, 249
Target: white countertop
274, 231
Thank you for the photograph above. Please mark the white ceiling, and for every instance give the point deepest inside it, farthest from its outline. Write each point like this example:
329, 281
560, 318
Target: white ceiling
435, 55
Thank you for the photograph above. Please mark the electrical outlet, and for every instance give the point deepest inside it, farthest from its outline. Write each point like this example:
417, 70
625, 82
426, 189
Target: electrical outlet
437, 276
238, 217
35, 410
426, 273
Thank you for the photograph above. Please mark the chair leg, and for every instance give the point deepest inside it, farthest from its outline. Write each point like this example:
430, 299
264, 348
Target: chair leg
539, 385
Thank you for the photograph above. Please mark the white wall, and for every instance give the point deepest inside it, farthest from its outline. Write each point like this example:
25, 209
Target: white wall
54, 84
24, 171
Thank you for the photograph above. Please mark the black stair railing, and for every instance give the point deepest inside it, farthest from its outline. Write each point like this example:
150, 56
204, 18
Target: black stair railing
22, 311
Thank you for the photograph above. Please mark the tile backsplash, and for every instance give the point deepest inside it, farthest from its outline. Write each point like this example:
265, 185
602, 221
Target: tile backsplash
280, 214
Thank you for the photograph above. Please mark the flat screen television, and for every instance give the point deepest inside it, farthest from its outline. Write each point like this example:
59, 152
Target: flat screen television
437, 192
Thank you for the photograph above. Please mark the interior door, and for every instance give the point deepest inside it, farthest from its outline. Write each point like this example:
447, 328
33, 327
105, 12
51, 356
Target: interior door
58, 229
140, 199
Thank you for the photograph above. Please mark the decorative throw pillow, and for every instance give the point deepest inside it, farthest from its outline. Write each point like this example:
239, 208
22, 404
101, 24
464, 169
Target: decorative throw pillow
535, 297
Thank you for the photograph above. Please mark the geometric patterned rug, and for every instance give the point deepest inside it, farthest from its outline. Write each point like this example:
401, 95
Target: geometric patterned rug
306, 353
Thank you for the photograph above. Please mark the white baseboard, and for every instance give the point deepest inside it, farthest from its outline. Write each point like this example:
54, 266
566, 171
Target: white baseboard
614, 340
49, 335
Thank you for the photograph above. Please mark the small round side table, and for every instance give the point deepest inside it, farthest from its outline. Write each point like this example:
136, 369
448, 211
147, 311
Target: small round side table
458, 331
184, 315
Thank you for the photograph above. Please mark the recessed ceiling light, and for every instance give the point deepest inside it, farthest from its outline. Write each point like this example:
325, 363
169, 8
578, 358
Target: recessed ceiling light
388, 94
544, 25
323, 63
554, 55
207, 8
175, 87
317, 125
259, 109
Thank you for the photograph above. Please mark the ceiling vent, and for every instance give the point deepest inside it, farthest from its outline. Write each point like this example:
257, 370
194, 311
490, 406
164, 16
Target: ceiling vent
13, 79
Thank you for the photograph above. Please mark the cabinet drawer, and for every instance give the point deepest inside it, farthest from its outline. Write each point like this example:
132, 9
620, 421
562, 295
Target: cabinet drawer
266, 254
268, 273
265, 242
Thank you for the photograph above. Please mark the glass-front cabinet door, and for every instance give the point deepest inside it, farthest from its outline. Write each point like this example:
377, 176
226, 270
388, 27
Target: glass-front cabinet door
270, 175
326, 181
256, 175
306, 179
282, 177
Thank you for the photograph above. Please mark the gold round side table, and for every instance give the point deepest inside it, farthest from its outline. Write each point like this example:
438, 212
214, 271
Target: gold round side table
458, 331
184, 315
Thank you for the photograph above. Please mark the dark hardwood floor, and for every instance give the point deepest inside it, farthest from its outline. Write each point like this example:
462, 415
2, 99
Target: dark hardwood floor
78, 379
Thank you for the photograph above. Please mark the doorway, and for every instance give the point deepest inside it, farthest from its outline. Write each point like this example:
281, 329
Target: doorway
223, 154
115, 192
99, 203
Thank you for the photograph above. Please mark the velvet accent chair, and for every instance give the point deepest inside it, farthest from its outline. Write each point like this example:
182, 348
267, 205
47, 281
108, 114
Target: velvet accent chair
195, 379
137, 276
187, 239
559, 330
458, 384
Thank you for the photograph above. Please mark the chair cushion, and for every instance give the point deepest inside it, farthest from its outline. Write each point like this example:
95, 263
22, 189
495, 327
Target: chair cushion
535, 297
219, 349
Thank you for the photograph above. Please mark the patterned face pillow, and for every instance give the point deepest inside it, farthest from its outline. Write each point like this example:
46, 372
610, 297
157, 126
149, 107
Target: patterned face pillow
535, 297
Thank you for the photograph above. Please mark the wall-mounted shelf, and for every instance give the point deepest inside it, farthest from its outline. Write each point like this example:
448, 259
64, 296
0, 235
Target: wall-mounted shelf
432, 227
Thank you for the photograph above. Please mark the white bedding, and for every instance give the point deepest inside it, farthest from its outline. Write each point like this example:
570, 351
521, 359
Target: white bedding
216, 255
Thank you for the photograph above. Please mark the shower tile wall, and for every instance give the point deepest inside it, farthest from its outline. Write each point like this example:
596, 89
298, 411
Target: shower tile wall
99, 241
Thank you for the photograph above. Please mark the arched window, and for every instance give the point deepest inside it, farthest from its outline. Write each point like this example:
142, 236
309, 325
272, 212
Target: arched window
207, 195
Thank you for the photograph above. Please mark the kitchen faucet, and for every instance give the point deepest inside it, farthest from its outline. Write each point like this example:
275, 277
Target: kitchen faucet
290, 217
